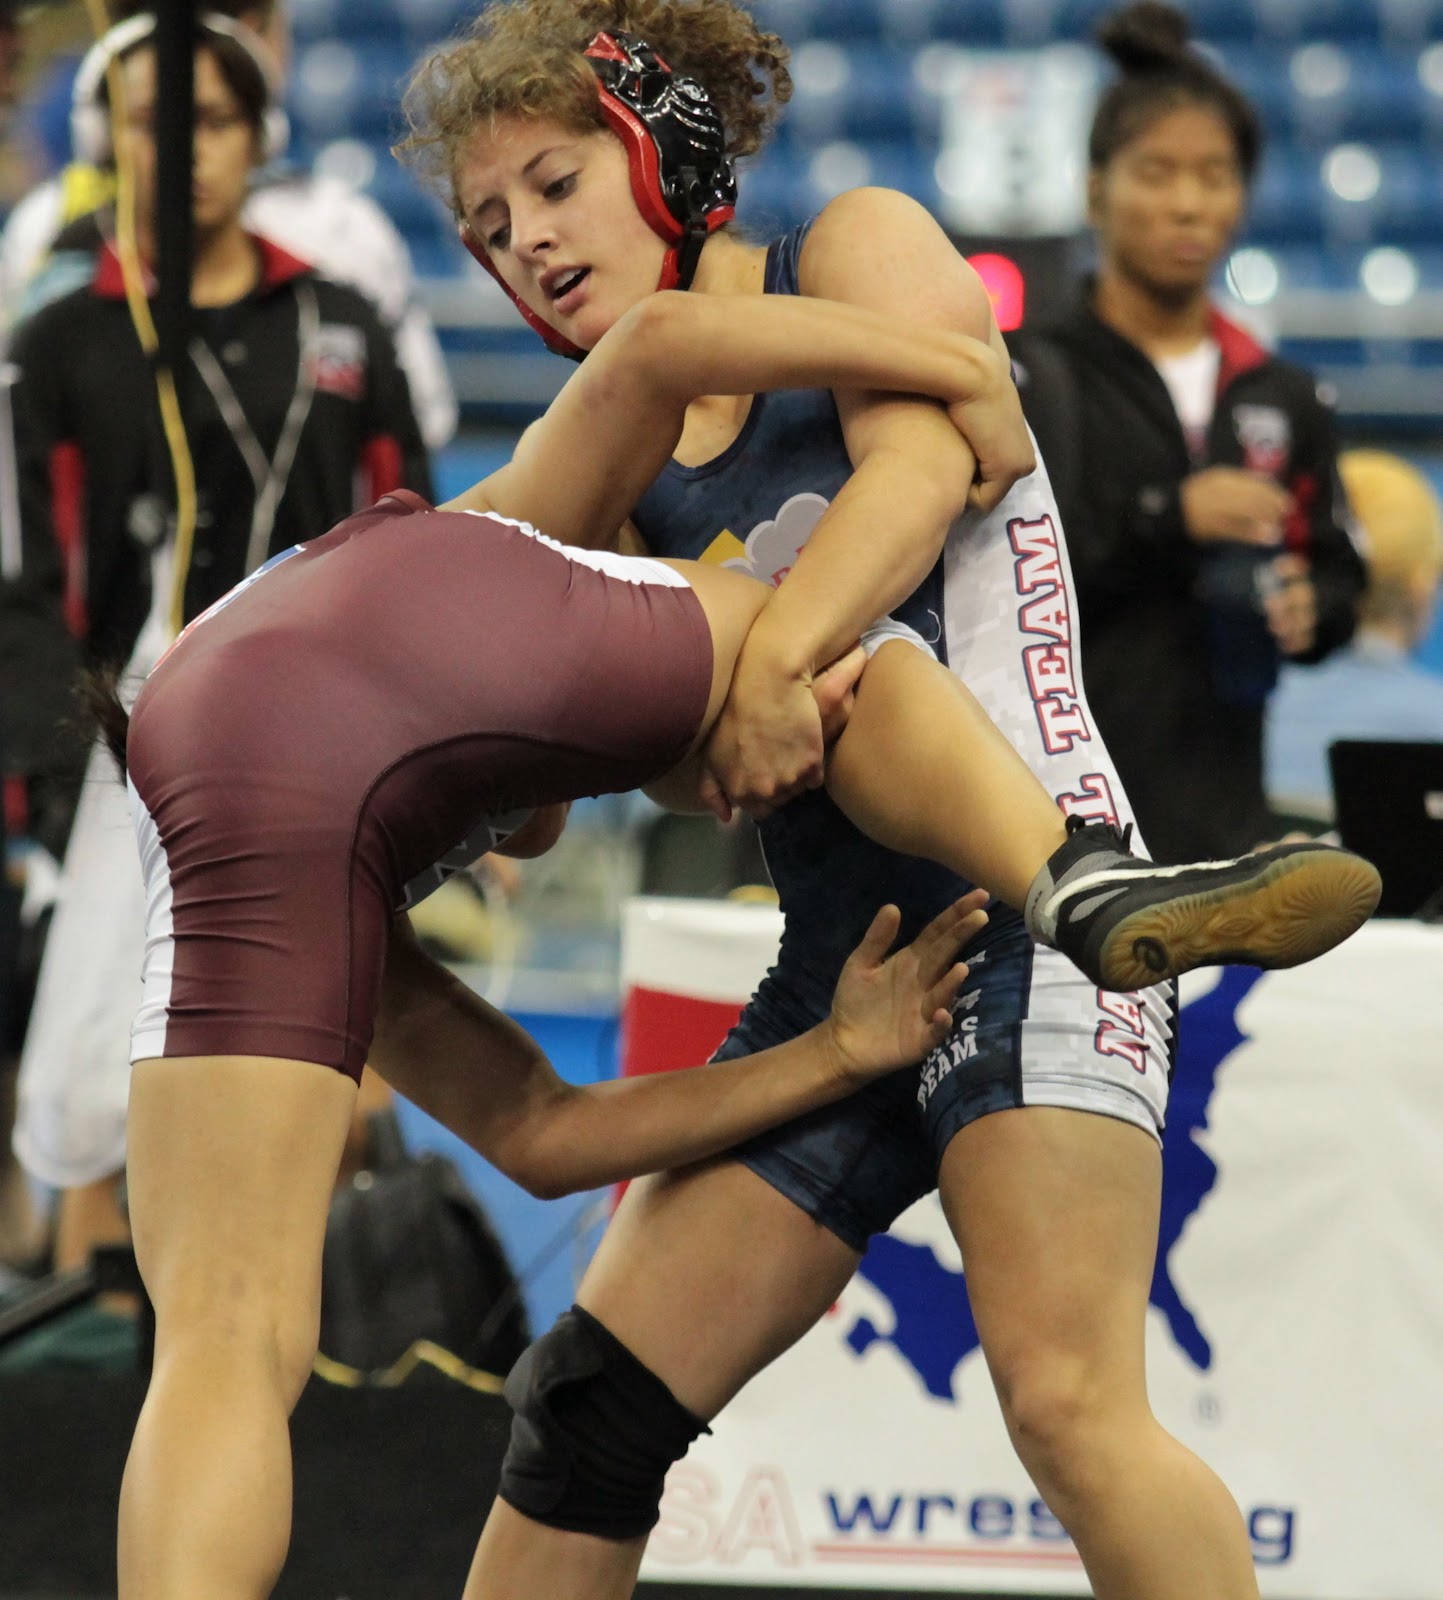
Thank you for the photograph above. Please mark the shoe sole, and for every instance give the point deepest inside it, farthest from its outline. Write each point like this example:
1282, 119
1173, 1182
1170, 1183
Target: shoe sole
1290, 911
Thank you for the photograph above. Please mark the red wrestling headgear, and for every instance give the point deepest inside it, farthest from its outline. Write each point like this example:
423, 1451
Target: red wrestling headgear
681, 175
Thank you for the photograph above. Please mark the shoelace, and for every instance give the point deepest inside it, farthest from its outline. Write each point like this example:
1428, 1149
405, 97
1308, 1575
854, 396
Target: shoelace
1119, 838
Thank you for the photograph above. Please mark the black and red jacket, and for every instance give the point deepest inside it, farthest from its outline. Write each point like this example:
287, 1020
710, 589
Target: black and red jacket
1115, 450
95, 486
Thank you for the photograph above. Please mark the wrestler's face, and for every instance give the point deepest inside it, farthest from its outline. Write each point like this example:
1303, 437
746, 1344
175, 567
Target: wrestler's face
1167, 204
554, 210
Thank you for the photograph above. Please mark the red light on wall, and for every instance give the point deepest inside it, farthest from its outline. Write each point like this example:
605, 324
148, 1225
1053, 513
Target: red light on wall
1006, 288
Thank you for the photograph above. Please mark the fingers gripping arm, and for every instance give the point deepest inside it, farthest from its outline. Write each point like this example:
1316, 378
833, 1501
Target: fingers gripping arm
483, 1077
580, 470
881, 252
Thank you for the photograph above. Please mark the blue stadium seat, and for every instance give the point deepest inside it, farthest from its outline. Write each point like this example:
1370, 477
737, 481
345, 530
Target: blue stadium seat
416, 213
325, 90
1255, 274
1302, 21
371, 19
429, 22
1410, 22
1078, 19
1363, 92
408, 26
1308, 267
352, 88
1222, 19
1352, 197
436, 255
893, 165
784, 188
1256, 73
1288, 199
1324, 355
1339, 268
314, 19
847, 20
772, 196
1410, 202
863, 93
978, 24
1430, 268
795, 20
1428, 70
912, 22
1344, 268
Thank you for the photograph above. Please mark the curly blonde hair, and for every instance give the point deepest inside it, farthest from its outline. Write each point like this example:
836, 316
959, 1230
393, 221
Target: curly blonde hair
525, 58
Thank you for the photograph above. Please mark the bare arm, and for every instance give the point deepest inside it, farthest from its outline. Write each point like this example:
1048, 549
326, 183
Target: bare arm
914, 474
483, 1077
578, 472
913, 469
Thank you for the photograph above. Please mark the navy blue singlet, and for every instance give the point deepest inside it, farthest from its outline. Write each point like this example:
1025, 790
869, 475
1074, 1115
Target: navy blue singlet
765, 493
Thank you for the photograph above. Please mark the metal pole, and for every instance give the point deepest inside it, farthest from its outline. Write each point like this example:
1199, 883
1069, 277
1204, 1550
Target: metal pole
175, 141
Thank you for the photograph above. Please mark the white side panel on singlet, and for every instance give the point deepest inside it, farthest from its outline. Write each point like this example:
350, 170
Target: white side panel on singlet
629, 569
1011, 630
1012, 637
148, 1035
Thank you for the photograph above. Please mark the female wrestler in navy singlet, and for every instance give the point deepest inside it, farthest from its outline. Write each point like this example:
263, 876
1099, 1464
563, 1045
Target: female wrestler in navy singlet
402, 689
586, 149
370, 703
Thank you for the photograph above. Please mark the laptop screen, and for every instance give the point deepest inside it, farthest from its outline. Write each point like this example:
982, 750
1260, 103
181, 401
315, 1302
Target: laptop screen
1389, 797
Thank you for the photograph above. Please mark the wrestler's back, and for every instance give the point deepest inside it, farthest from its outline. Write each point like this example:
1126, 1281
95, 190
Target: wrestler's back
461, 625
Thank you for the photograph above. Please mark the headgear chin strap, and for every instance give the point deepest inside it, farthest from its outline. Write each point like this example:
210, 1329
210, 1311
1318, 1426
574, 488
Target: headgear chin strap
681, 176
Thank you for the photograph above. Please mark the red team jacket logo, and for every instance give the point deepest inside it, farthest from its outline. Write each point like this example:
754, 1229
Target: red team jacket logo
1266, 436
338, 361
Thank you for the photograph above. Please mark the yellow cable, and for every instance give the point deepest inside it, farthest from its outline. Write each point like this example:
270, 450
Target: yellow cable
132, 274
421, 1353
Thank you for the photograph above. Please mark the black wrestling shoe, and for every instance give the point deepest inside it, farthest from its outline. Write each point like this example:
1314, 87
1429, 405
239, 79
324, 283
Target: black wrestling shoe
1128, 923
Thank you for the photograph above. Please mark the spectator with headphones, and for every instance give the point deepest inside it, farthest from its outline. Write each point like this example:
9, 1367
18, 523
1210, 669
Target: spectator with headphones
321, 220
295, 411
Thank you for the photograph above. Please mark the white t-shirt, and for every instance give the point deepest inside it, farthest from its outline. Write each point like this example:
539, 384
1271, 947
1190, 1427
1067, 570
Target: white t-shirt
1192, 381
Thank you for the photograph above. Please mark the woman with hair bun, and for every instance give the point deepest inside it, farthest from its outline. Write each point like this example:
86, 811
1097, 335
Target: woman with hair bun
587, 151
1195, 471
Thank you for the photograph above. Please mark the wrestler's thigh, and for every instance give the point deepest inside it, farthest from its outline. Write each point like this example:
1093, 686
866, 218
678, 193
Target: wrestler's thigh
1056, 1213
731, 601
230, 1170
708, 1274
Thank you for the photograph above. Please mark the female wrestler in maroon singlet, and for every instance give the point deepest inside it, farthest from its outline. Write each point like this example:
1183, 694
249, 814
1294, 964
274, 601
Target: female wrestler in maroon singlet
353, 713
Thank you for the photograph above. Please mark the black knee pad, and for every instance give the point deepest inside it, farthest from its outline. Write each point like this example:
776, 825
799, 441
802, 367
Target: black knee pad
593, 1435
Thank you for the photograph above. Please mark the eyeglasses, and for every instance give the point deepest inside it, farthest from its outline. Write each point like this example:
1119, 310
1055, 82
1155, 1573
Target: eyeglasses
210, 120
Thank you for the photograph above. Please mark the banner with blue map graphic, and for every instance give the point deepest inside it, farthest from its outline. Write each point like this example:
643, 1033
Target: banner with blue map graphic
1294, 1340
